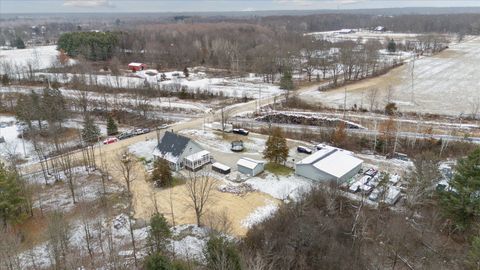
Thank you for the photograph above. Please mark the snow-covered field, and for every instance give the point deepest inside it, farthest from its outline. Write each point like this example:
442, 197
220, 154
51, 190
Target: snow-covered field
338, 36
251, 87
446, 83
38, 58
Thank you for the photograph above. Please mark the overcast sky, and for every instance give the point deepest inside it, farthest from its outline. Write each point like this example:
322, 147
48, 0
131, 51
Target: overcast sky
52, 6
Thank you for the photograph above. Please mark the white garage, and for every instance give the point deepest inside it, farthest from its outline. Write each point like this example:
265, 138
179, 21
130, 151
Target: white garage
329, 164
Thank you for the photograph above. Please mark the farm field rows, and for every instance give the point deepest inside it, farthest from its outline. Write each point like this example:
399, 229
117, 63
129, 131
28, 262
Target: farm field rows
442, 84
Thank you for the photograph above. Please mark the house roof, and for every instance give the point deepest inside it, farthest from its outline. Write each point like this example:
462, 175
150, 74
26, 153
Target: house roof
171, 146
249, 163
197, 156
332, 161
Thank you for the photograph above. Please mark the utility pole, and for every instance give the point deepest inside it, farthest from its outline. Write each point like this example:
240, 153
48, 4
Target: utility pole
23, 144
413, 68
345, 103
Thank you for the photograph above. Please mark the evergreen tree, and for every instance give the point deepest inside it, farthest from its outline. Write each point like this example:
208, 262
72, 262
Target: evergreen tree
162, 175
462, 202
276, 149
286, 82
5, 80
222, 254
12, 201
53, 106
392, 46
473, 257
90, 131
185, 72
19, 43
158, 262
112, 127
159, 233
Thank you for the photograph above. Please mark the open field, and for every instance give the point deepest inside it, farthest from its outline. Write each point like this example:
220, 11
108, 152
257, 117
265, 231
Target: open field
442, 84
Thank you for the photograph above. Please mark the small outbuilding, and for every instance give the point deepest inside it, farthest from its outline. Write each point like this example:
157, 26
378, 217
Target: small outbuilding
329, 164
250, 166
220, 168
137, 66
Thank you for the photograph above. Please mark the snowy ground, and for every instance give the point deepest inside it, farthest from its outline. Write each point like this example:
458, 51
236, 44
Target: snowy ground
337, 36
214, 140
38, 57
143, 149
284, 188
442, 84
88, 188
260, 214
231, 87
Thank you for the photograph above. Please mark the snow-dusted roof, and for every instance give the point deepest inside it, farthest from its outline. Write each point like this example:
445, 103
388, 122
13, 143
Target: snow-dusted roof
135, 64
197, 156
221, 166
332, 161
171, 146
249, 163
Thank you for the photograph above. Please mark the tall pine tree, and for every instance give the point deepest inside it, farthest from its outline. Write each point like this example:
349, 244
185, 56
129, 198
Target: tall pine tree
12, 201
112, 128
461, 203
276, 149
161, 175
90, 132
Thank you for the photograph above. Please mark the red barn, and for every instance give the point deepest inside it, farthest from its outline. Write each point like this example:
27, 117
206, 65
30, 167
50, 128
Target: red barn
136, 66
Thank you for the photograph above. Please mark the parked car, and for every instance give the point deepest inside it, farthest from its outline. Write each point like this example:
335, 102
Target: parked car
240, 131
124, 135
146, 130
138, 131
305, 150
110, 140
164, 126
371, 172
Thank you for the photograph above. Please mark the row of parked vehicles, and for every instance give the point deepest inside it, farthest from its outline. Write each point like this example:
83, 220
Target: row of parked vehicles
126, 135
369, 184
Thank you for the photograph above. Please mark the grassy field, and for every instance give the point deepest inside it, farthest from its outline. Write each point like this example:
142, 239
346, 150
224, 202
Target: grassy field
278, 169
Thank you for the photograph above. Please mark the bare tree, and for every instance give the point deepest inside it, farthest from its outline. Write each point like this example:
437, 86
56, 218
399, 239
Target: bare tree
199, 190
126, 165
372, 96
58, 232
67, 164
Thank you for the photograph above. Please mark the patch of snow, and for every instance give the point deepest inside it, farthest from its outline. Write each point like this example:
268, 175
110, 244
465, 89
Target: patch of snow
260, 214
143, 149
282, 187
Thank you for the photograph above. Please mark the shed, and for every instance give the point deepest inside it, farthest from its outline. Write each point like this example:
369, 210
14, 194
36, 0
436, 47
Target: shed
137, 66
250, 166
220, 168
329, 164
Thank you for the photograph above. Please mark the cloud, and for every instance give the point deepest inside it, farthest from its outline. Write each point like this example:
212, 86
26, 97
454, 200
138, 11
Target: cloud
87, 3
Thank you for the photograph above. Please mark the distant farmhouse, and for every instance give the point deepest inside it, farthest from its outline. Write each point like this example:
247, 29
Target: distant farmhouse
181, 152
329, 164
137, 66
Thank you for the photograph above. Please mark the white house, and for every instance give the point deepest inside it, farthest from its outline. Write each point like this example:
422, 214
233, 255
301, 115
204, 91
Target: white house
179, 151
329, 164
250, 166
